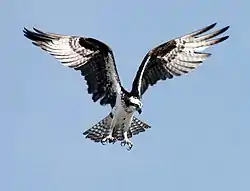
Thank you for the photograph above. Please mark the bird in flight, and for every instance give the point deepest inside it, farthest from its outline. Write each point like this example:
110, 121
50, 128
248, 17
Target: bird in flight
95, 60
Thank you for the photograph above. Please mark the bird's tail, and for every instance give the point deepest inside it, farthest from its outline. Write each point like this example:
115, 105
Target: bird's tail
102, 129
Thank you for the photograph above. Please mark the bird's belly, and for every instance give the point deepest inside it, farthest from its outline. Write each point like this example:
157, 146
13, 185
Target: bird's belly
123, 115
122, 118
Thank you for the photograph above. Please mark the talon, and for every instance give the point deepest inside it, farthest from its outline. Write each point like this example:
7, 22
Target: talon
104, 141
129, 146
128, 143
112, 140
123, 143
108, 139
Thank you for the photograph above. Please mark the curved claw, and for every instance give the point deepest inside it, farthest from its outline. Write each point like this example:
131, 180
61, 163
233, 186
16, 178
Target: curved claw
129, 146
104, 141
108, 139
128, 143
112, 141
123, 143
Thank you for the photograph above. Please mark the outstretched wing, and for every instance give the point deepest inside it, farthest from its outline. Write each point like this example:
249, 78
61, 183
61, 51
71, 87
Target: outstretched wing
175, 58
93, 58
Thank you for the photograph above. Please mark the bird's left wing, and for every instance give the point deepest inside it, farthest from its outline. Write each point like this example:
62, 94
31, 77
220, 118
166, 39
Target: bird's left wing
175, 58
93, 58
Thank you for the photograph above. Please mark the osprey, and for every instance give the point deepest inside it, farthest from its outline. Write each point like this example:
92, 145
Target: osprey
95, 60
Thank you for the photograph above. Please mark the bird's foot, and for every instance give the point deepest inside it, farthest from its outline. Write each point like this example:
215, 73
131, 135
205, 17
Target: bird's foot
128, 143
108, 139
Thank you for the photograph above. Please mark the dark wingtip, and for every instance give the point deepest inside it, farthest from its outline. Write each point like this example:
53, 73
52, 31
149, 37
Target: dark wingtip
224, 38
36, 34
213, 25
224, 29
202, 30
28, 34
210, 26
25, 30
227, 27
219, 40
37, 30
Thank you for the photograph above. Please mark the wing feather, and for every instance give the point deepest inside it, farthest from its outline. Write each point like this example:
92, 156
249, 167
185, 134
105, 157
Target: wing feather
93, 58
175, 58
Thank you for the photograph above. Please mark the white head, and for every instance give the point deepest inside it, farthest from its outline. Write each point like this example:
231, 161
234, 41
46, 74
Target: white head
135, 102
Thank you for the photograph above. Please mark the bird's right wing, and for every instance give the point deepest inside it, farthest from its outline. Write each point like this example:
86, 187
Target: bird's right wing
93, 58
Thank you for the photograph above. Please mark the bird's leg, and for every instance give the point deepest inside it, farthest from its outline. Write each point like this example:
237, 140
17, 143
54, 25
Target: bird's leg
110, 138
126, 141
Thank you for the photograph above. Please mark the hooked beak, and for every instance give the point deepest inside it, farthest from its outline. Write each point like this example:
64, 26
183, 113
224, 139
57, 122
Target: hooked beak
139, 110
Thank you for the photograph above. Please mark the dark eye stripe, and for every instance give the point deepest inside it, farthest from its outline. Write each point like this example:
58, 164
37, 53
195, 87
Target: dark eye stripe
133, 104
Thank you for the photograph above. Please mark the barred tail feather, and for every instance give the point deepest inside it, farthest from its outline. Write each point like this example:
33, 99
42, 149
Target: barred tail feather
137, 126
99, 130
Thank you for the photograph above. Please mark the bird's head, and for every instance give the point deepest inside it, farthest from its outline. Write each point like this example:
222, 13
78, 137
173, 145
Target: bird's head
136, 102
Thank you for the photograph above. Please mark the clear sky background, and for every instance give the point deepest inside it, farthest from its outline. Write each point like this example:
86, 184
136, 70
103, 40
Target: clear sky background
199, 140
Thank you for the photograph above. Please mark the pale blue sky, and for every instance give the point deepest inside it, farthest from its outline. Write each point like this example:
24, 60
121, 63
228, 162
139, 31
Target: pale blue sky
199, 140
